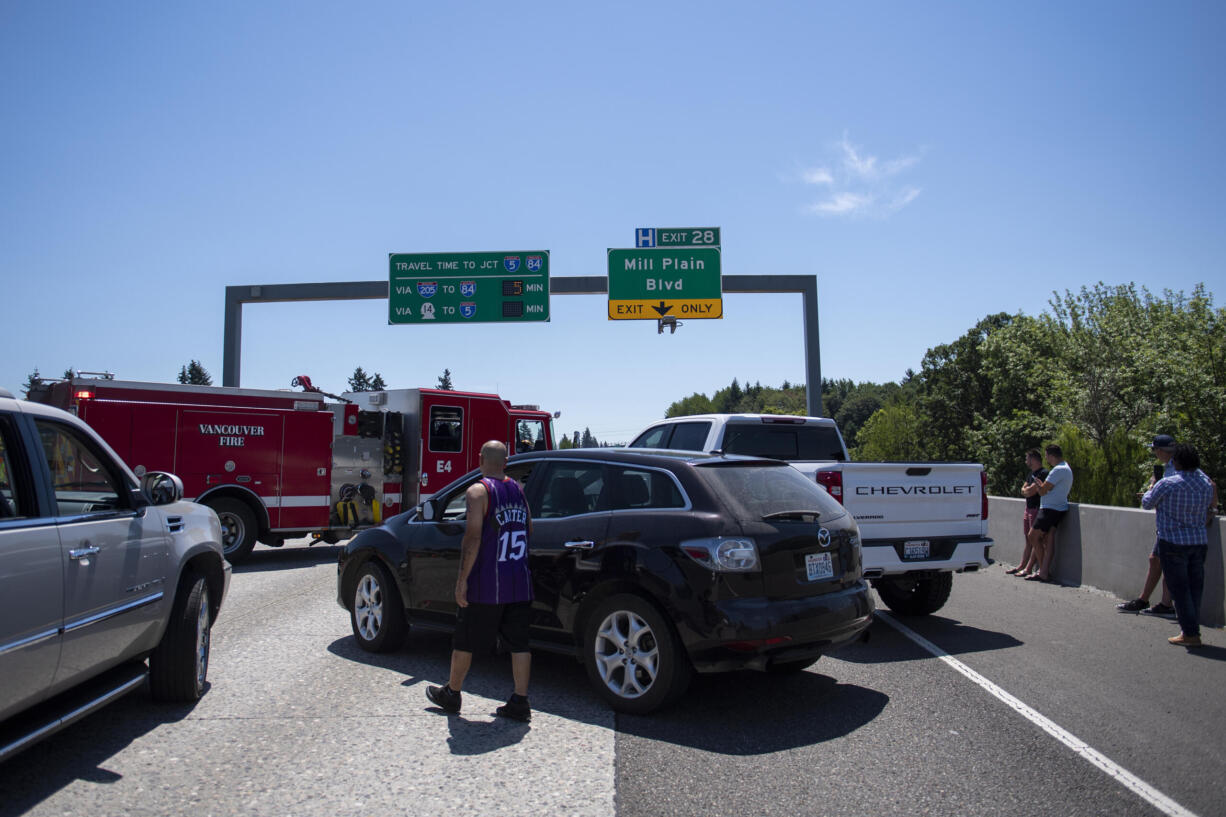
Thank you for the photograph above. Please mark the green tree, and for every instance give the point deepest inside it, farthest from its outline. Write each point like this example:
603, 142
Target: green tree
33, 381
954, 390
444, 381
359, 381
894, 433
377, 384
834, 392
195, 374
694, 404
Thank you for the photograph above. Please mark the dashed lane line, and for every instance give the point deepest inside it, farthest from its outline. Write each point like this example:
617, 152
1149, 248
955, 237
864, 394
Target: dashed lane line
1121, 775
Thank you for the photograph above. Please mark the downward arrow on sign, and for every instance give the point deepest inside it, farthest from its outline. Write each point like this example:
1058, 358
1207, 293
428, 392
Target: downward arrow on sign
662, 309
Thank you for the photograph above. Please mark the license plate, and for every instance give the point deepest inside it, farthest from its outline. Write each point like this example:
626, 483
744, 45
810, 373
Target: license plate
916, 549
818, 566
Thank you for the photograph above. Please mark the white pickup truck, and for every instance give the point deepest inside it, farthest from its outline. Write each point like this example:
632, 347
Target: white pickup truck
920, 522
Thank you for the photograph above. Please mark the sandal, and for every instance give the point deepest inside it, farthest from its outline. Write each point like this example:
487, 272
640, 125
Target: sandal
1014, 571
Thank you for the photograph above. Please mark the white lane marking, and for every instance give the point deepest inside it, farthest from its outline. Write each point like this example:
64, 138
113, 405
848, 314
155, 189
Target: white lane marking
1121, 775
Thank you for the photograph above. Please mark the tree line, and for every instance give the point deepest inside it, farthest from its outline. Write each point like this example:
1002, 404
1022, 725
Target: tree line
195, 374
1100, 372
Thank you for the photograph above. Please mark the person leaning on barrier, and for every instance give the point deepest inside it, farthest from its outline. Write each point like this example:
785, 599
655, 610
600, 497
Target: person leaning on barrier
1030, 490
1053, 505
1182, 503
1163, 449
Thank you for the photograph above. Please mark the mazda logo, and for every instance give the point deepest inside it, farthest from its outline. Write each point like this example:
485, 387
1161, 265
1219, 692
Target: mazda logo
823, 537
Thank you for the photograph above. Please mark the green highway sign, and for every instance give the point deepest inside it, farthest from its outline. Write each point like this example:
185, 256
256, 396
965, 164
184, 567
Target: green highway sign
648, 283
676, 237
468, 287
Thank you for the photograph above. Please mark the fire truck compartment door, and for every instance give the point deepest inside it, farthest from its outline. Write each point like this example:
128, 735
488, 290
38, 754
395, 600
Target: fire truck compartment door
234, 448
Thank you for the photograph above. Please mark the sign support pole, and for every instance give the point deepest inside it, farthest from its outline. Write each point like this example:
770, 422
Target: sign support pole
237, 296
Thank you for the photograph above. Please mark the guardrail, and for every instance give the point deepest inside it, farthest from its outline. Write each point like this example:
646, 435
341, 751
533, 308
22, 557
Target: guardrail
1107, 548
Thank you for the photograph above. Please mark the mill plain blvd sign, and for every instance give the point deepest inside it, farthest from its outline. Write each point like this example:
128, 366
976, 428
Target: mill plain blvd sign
650, 283
468, 287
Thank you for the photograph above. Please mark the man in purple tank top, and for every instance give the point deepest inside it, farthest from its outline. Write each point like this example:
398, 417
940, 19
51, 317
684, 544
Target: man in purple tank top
494, 588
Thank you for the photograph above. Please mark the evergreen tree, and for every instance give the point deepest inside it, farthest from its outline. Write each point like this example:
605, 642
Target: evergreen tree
444, 381
195, 374
33, 381
588, 440
377, 384
358, 381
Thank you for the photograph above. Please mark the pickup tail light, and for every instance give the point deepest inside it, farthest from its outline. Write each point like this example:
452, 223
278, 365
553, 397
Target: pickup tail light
832, 481
983, 494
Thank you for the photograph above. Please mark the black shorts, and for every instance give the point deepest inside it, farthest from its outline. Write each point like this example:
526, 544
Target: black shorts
1048, 519
478, 625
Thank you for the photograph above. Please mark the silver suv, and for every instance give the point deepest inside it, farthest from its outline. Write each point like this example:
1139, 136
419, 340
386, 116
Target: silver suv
105, 579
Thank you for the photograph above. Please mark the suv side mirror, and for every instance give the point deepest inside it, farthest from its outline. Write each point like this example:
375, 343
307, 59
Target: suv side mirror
161, 488
429, 510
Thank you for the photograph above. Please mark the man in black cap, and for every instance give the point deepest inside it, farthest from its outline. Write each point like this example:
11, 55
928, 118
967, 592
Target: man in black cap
1163, 448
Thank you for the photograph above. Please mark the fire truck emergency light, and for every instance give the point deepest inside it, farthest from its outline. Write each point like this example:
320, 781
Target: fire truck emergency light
84, 394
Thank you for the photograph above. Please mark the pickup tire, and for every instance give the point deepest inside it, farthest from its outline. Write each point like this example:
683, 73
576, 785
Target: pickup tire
915, 597
238, 527
634, 659
179, 664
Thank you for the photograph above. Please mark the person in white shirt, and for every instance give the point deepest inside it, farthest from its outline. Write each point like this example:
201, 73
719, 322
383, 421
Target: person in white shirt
1053, 505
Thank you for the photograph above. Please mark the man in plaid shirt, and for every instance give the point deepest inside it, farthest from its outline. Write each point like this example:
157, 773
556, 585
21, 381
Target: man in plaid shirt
1183, 502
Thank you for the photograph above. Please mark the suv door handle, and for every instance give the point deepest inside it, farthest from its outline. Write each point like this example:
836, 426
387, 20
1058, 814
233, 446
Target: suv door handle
582, 544
85, 552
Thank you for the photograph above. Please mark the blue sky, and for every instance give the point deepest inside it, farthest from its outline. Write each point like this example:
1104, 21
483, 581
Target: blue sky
929, 163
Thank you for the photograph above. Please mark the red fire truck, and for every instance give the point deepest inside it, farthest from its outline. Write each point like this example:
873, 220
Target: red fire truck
282, 464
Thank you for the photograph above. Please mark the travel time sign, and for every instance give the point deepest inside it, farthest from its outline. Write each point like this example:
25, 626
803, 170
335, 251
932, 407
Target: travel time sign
652, 283
468, 287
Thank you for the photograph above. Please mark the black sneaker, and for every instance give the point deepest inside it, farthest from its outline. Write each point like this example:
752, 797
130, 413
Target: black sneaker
1134, 606
445, 698
1160, 610
516, 708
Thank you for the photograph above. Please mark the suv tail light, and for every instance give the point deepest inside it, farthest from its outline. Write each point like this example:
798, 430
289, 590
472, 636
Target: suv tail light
983, 494
832, 481
723, 555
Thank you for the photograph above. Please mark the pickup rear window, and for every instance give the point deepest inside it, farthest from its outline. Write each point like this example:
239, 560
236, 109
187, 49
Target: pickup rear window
755, 490
789, 443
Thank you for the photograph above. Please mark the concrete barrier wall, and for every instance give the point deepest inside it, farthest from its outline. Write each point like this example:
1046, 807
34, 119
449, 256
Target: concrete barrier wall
1107, 548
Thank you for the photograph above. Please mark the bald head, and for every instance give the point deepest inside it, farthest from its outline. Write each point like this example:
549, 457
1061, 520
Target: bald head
493, 457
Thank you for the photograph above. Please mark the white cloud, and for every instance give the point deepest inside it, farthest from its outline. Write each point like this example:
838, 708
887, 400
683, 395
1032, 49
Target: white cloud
817, 175
842, 204
861, 183
903, 198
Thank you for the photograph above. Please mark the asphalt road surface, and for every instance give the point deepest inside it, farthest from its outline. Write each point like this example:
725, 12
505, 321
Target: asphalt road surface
1016, 699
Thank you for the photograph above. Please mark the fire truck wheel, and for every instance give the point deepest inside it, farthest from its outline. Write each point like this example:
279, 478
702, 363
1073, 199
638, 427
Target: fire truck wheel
375, 610
238, 528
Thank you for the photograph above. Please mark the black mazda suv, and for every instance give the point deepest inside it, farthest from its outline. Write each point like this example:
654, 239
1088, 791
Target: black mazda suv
647, 566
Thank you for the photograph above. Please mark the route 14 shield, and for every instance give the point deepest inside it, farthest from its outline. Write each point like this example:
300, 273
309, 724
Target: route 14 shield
468, 309
426, 289
511, 262
468, 288
534, 263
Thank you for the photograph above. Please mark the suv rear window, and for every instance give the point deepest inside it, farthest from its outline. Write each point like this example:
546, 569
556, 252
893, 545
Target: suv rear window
779, 442
754, 490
